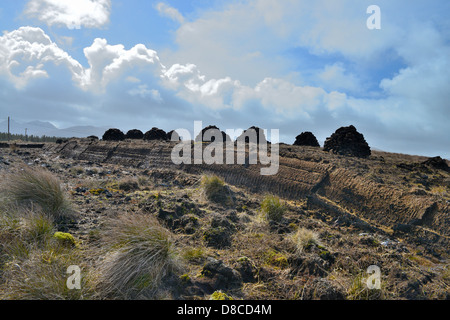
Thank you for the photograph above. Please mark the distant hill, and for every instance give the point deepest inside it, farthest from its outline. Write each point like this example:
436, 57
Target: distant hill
41, 128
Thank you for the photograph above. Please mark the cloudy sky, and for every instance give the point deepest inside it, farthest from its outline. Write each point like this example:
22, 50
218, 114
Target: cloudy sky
293, 65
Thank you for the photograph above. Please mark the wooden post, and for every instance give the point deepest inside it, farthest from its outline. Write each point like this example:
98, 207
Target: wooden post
9, 134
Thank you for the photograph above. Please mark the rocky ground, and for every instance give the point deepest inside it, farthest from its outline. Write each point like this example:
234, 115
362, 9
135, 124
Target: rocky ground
229, 247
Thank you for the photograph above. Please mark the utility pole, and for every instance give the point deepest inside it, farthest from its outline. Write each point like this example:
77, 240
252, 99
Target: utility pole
26, 136
9, 132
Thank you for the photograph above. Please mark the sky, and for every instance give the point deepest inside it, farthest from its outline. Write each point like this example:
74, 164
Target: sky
292, 65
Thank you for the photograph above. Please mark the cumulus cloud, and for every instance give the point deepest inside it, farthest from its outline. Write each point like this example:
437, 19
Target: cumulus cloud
72, 14
26, 51
230, 69
109, 62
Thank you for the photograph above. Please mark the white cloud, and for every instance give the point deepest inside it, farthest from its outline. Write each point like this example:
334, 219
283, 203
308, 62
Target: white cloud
109, 62
169, 12
72, 14
335, 77
24, 53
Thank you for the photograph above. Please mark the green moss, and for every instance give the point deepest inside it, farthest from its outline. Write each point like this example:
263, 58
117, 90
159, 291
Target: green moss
185, 279
219, 295
277, 259
97, 192
66, 239
243, 259
193, 254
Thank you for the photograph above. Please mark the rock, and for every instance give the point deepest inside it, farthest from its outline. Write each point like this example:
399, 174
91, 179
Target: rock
306, 139
113, 135
253, 133
212, 132
437, 163
155, 134
134, 134
348, 141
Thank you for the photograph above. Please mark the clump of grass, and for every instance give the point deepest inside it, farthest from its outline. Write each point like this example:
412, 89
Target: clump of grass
193, 254
272, 208
38, 187
304, 239
128, 184
33, 264
215, 189
360, 291
139, 254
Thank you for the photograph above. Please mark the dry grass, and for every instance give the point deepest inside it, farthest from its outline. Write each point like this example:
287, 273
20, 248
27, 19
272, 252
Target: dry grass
37, 187
304, 238
137, 254
33, 263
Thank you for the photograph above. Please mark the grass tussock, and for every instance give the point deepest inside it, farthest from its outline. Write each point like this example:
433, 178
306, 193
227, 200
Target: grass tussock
33, 264
137, 254
303, 239
37, 187
216, 190
272, 208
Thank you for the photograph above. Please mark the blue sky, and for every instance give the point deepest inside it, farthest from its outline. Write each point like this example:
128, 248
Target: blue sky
293, 65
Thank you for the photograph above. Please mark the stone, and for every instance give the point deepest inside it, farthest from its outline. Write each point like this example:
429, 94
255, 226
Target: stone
347, 141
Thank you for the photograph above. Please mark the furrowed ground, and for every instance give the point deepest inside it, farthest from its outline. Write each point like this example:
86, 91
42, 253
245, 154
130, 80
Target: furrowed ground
225, 231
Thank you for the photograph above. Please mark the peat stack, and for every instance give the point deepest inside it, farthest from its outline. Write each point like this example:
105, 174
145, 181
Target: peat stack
251, 133
92, 138
306, 139
113, 135
437, 163
213, 132
135, 134
173, 136
347, 141
155, 134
